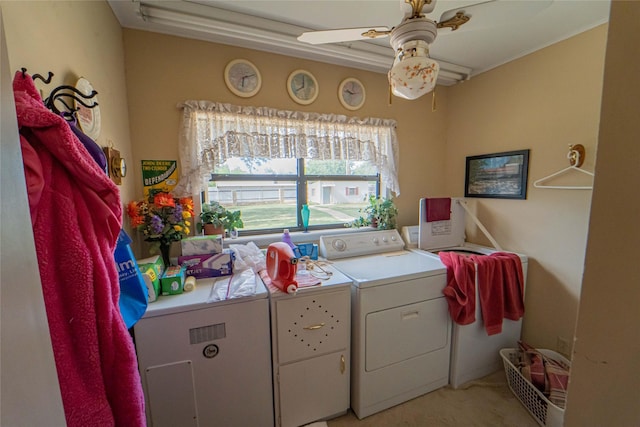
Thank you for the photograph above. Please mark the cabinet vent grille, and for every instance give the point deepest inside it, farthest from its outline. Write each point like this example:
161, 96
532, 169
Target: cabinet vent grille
207, 333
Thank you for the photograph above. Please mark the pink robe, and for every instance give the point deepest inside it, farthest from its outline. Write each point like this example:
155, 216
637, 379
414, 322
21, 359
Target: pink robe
76, 216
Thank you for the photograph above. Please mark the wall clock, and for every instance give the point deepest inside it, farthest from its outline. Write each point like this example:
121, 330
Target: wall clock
302, 87
351, 93
242, 78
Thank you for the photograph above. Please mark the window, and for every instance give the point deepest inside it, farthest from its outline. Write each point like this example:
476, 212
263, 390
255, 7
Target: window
269, 162
270, 192
352, 191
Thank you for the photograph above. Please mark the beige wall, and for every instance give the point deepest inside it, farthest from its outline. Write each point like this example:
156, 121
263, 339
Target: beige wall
605, 381
75, 39
542, 102
163, 71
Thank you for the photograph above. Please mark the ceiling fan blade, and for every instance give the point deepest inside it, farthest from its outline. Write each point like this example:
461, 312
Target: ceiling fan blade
343, 35
490, 14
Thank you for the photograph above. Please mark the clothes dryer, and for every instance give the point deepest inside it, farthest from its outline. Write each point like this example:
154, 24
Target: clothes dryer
474, 354
400, 324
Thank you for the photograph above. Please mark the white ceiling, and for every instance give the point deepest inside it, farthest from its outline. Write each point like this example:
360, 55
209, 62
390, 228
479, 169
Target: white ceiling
508, 29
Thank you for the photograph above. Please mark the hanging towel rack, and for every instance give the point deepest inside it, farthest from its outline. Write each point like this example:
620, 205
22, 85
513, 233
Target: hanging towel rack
46, 80
576, 157
64, 91
74, 94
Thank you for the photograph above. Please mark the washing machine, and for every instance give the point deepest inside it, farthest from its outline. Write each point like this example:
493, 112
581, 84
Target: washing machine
401, 330
206, 361
474, 354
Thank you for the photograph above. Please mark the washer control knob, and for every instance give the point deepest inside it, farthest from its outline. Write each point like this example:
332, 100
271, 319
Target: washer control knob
393, 238
384, 239
339, 245
375, 240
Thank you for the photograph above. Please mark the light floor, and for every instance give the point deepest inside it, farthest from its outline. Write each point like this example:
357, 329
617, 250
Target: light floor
485, 402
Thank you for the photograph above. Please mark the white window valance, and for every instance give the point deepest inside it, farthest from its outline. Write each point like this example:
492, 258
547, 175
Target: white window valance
213, 132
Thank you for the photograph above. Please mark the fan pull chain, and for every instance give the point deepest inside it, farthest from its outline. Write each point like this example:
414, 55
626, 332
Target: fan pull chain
433, 100
390, 94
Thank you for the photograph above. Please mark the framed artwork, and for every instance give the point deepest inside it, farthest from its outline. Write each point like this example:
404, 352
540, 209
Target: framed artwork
498, 175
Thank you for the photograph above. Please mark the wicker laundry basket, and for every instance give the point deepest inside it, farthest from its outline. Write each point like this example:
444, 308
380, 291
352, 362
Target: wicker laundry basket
545, 413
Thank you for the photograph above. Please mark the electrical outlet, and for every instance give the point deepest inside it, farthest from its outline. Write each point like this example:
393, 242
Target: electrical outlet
562, 345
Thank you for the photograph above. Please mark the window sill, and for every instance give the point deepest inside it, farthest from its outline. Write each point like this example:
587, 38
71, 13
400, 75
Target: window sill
264, 240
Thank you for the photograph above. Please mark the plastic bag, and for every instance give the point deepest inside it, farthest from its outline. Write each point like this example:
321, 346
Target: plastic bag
239, 284
133, 290
249, 260
248, 256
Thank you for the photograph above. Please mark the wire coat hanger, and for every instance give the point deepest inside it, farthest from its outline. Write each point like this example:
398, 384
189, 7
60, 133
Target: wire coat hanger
576, 157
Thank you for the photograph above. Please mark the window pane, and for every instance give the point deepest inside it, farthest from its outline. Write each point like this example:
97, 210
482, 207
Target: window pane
339, 167
271, 215
337, 202
264, 204
257, 165
267, 203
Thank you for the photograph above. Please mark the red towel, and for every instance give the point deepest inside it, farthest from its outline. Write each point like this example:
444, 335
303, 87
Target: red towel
438, 209
500, 288
460, 291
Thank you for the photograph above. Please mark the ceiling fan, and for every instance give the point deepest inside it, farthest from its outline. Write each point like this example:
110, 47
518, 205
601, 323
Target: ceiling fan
414, 73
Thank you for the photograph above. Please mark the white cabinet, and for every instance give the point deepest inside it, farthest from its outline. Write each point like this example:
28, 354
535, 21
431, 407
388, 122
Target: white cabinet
206, 364
311, 354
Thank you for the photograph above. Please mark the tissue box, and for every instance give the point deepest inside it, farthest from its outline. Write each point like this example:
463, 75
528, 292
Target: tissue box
199, 245
208, 265
152, 280
308, 249
172, 281
156, 261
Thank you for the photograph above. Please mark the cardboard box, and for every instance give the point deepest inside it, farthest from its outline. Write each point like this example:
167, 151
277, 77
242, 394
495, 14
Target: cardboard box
200, 245
156, 260
208, 265
172, 282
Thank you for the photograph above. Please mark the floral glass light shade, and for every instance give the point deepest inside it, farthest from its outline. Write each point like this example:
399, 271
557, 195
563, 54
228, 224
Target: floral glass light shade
413, 73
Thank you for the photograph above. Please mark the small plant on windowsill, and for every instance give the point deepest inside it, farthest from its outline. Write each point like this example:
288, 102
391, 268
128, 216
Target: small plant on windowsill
381, 213
219, 218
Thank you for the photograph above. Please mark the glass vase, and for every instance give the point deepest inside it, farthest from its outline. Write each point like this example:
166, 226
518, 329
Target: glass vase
304, 213
165, 249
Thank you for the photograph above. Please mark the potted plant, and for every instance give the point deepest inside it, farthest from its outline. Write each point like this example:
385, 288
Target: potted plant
381, 213
215, 219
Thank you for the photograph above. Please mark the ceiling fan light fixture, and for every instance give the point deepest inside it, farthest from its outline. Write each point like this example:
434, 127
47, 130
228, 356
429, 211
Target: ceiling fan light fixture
413, 73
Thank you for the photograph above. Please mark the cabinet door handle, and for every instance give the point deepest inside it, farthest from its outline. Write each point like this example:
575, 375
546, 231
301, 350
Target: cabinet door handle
314, 327
342, 364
